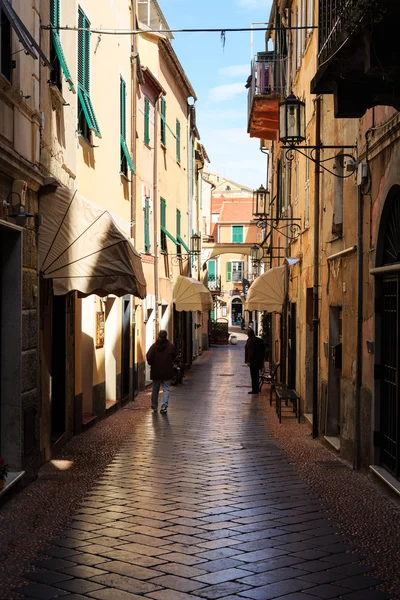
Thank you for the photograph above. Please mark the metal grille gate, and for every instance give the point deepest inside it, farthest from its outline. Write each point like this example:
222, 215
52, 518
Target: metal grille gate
389, 379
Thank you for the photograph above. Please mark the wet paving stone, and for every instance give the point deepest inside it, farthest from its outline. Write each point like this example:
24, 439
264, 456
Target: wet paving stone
202, 504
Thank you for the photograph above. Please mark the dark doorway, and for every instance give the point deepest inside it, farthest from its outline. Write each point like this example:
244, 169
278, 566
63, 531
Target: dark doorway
58, 367
292, 345
334, 371
126, 335
237, 311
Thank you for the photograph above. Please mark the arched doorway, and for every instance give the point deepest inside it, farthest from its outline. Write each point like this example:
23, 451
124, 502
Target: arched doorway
387, 320
236, 311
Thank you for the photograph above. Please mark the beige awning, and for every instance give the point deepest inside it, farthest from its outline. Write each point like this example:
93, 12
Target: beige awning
81, 248
267, 292
191, 295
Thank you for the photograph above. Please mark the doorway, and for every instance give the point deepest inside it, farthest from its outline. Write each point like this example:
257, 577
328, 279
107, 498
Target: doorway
58, 367
126, 345
334, 371
292, 345
236, 311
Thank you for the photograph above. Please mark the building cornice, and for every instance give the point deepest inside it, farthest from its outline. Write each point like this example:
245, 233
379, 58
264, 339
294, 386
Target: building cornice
169, 55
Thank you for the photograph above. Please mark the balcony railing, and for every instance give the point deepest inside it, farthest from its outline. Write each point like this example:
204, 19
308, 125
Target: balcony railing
214, 283
268, 77
332, 19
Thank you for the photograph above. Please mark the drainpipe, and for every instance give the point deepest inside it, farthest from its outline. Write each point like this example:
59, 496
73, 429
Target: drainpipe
155, 211
315, 341
357, 436
134, 121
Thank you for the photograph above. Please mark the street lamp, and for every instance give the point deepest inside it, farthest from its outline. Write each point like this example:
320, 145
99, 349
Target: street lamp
261, 200
195, 244
292, 121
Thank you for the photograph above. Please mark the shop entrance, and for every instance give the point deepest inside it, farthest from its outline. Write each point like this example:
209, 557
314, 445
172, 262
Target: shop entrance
237, 311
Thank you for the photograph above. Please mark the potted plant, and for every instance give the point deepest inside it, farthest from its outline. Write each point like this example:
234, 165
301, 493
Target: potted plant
3, 472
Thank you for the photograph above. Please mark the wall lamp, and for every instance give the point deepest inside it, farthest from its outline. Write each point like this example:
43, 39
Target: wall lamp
292, 133
261, 212
195, 249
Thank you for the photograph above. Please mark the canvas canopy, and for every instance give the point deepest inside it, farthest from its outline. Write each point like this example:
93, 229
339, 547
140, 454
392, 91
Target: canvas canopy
81, 248
267, 292
191, 295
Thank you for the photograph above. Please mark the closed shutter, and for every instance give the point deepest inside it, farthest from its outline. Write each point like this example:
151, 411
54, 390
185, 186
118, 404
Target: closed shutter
147, 245
163, 219
229, 271
178, 141
163, 122
146, 121
123, 107
237, 234
211, 270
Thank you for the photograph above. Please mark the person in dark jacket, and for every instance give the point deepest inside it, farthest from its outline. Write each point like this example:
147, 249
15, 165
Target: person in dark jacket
254, 358
160, 357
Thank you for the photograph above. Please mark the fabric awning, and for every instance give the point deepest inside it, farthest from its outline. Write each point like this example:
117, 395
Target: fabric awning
81, 248
267, 292
191, 295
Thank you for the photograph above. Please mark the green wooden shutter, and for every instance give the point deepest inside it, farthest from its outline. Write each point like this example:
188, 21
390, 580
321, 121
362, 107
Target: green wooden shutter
229, 271
211, 270
178, 223
237, 234
147, 245
178, 141
84, 100
122, 90
55, 13
163, 122
56, 40
146, 121
163, 214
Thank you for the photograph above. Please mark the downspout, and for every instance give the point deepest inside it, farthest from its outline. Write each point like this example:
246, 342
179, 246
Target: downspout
134, 58
315, 341
357, 436
155, 212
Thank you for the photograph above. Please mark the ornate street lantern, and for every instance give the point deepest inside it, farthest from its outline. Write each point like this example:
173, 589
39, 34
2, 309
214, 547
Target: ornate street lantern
261, 202
195, 245
292, 121
254, 253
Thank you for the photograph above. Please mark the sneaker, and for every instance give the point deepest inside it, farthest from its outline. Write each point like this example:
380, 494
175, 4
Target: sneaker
154, 409
163, 410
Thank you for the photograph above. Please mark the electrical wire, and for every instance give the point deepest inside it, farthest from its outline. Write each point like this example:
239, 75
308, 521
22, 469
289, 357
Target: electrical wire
166, 31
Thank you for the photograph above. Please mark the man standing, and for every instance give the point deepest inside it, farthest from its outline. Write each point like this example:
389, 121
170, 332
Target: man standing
254, 358
160, 357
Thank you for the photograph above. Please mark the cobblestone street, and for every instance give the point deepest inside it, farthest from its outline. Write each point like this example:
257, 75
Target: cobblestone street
214, 500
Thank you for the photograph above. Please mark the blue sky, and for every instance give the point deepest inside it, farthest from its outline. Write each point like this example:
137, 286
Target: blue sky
218, 76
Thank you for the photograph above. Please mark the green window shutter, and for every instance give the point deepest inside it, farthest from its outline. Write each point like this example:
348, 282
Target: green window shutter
122, 102
178, 141
237, 234
178, 223
55, 38
147, 245
229, 271
211, 270
163, 122
84, 100
146, 121
127, 155
163, 212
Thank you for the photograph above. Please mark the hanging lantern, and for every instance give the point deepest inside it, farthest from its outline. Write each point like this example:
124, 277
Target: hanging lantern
195, 244
254, 250
292, 121
261, 202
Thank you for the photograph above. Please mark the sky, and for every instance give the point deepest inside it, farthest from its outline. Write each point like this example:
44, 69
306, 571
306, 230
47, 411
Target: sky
218, 76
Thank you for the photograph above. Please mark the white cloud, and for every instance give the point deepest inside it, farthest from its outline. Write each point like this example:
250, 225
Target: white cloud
221, 93
235, 71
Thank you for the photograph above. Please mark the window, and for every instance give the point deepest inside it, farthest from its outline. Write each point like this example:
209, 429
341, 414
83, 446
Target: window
178, 230
5, 45
163, 122
163, 220
147, 121
229, 271
126, 160
57, 57
211, 268
178, 141
307, 191
147, 244
86, 115
237, 234
237, 270
337, 224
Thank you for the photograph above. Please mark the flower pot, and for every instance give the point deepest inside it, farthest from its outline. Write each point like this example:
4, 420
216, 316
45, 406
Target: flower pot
2, 484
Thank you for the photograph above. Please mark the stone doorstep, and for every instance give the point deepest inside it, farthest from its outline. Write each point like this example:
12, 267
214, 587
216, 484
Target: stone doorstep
12, 479
386, 477
333, 441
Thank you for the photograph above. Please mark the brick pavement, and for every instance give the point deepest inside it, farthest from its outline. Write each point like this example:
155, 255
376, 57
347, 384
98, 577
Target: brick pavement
203, 504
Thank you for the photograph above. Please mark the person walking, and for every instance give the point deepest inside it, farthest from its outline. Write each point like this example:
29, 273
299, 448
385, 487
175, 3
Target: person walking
160, 357
254, 358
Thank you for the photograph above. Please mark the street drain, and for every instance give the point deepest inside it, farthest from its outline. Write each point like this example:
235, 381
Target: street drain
330, 464
226, 374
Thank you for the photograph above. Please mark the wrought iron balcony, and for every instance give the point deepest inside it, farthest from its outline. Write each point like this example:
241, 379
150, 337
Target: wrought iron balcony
214, 283
267, 86
358, 54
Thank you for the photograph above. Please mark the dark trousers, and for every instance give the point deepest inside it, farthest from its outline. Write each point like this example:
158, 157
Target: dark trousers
255, 373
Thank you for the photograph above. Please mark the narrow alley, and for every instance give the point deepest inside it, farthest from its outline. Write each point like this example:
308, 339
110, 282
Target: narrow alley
212, 501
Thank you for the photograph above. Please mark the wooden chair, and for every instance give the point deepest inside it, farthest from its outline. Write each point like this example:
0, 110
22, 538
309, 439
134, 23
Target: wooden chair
268, 375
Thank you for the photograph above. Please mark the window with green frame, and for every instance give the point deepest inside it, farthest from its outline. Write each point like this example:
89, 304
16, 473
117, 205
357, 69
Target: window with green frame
86, 115
57, 57
163, 122
178, 230
163, 220
178, 141
147, 243
126, 160
237, 234
229, 271
147, 121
